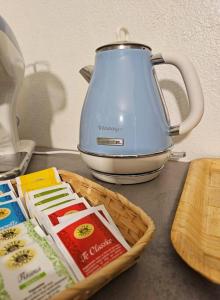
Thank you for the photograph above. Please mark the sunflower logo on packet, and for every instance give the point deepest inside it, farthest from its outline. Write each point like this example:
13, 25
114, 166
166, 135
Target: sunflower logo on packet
4, 213
9, 234
20, 258
83, 231
11, 247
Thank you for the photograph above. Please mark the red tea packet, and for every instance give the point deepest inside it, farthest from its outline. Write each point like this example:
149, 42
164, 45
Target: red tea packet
104, 214
53, 215
88, 242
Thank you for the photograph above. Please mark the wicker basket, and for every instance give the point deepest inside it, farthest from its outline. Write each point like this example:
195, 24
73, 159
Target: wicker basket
135, 225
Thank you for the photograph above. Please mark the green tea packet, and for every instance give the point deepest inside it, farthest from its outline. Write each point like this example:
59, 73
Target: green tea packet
33, 203
38, 209
48, 190
35, 270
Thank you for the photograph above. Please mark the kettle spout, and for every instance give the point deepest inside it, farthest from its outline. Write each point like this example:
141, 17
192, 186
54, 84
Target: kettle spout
86, 72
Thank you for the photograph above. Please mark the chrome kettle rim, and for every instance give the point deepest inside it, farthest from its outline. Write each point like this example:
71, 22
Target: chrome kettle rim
126, 156
122, 45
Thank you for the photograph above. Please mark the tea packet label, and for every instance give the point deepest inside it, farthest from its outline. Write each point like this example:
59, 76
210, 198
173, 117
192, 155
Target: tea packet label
30, 265
37, 180
34, 272
7, 197
11, 213
5, 187
89, 243
103, 214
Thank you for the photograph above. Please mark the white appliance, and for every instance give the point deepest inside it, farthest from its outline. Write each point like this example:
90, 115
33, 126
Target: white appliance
15, 154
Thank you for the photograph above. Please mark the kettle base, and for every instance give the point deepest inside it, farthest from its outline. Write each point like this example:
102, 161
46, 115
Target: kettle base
126, 178
126, 165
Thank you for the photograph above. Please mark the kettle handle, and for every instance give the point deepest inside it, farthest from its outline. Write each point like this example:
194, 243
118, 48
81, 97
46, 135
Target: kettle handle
193, 88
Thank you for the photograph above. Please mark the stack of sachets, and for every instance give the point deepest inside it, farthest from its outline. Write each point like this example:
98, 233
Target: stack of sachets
86, 236
29, 266
12, 211
33, 261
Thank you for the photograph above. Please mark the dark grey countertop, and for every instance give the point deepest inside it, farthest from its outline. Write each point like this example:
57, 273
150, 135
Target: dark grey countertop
160, 272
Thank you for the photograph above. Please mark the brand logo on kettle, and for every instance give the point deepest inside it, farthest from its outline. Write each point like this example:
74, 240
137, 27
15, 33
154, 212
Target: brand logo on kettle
111, 128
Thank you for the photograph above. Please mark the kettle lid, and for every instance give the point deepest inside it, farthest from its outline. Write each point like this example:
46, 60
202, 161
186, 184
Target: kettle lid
122, 42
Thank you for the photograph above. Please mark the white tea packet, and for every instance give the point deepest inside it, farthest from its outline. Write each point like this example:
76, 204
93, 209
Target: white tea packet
35, 271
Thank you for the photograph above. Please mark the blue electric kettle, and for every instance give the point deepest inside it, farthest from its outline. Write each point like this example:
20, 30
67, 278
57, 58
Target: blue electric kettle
125, 128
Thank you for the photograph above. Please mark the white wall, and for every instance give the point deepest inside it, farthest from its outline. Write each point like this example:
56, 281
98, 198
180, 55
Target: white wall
65, 33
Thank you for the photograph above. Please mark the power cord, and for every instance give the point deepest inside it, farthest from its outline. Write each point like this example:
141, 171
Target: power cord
56, 152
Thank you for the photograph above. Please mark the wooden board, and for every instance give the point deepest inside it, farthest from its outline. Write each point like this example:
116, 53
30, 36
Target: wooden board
195, 231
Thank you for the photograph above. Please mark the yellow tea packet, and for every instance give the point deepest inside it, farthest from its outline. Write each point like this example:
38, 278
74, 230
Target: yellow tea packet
37, 180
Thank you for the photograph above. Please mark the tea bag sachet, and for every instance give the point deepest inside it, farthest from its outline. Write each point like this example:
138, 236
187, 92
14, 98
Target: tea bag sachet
47, 191
103, 211
6, 186
88, 242
104, 214
7, 197
38, 210
51, 217
11, 213
51, 197
33, 203
37, 180
35, 271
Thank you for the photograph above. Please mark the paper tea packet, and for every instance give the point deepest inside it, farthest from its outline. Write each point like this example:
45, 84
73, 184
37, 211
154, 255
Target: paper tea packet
51, 197
88, 242
5, 187
34, 271
48, 190
34, 204
7, 197
11, 213
51, 217
37, 180
55, 201
103, 212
